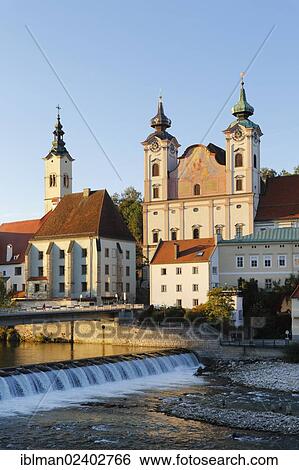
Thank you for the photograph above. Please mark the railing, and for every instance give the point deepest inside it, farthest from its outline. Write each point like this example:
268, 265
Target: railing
51, 308
256, 343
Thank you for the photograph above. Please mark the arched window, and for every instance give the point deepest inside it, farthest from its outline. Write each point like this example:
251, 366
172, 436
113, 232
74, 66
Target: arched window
155, 236
254, 161
196, 190
155, 169
195, 232
239, 184
66, 181
239, 230
52, 181
219, 229
155, 192
173, 234
238, 160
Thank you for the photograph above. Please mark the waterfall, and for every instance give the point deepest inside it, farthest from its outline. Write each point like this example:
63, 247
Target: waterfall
52, 377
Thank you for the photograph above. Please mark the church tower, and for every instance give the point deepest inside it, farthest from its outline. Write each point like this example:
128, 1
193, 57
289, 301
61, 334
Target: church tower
160, 182
58, 169
243, 151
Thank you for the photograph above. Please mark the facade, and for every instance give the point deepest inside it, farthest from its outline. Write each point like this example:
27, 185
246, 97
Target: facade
267, 255
295, 314
83, 250
182, 272
14, 237
207, 189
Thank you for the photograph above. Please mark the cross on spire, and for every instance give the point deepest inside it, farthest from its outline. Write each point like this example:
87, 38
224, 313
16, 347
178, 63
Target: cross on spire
58, 110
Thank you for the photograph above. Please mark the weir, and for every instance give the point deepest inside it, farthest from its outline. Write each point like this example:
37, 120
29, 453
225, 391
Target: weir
61, 376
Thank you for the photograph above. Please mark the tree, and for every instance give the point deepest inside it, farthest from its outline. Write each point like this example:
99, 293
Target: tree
129, 203
220, 304
267, 173
284, 173
5, 297
296, 170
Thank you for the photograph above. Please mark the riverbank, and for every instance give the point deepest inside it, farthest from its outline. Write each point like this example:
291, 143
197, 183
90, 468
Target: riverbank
267, 397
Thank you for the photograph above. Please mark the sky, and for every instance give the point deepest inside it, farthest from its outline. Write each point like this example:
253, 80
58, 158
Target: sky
114, 57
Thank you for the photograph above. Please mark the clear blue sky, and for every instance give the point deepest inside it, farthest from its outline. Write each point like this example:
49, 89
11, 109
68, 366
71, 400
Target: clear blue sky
114, 56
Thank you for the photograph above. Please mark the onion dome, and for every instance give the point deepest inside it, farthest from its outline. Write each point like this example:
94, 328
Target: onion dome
58, 144
160, 122
242, 110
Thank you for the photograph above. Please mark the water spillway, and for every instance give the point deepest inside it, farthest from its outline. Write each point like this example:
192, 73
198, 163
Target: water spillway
40, 379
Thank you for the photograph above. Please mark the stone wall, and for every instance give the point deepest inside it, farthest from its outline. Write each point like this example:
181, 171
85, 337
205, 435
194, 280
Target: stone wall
92, 332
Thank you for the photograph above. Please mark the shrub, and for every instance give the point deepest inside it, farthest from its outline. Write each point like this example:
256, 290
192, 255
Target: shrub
12, 335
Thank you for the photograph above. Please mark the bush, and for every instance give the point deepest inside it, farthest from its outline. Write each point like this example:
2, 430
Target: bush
12, 336
291, 353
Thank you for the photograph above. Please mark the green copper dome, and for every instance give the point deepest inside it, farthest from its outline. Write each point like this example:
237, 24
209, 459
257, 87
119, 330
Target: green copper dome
242, 110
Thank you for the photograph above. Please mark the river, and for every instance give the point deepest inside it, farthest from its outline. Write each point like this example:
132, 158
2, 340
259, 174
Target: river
123, 416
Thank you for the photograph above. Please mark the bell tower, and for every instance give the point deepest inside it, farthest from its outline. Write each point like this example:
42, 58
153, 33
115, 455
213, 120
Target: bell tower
160, 180
58, 169
243, 151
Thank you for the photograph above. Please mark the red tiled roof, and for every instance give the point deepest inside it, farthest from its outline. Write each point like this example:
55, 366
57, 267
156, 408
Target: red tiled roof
295, 294
188, 251
79, 215
281, 199
18, 235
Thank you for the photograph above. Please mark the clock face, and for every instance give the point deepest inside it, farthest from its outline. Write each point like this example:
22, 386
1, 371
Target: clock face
155, 147
238, 134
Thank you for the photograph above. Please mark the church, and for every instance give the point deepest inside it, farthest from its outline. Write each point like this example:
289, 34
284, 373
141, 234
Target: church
207, 190
81, 249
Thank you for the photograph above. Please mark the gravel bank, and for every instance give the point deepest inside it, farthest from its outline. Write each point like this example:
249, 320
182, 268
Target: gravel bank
276, 375
261, 421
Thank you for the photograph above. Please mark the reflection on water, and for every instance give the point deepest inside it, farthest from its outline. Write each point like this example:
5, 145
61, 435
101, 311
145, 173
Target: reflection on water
30, 353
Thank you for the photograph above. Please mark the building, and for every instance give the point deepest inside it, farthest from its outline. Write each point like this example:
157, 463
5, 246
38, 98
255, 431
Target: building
295, 314
14, 237
80, 249
182, 272
205, 190
83, 250
266, 255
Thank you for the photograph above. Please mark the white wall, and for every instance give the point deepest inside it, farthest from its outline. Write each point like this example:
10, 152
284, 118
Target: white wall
8, 270
295, 319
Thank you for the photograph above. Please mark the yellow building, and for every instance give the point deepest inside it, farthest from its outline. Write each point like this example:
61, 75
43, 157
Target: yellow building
206, 189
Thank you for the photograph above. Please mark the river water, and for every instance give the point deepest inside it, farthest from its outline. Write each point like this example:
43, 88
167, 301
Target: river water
122, 416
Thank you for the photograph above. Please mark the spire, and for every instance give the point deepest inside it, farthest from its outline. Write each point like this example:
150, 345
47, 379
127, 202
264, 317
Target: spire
160, 122
242, 110
58, 145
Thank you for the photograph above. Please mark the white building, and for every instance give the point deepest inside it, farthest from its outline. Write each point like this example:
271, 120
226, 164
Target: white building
295, 314
82, 250
14, 237
183, 271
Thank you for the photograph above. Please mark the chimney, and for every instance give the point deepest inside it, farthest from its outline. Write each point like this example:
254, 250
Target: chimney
176, 250
86, 192
8, 252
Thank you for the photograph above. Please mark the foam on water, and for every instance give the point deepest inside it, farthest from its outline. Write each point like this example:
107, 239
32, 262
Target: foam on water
31, 392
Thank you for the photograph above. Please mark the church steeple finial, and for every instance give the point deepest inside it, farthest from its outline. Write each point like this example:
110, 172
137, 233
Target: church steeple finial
242, 110
58, 145
160, 122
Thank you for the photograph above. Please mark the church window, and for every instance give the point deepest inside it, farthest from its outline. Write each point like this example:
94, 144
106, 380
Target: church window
238, 160
195, 209
155, 236
254, 161
239, 230
239, 184
155, 170
52, 181
173, 234
155, 213
195, 232
238, 206
155, 192
196, 190
66, 181
219, 229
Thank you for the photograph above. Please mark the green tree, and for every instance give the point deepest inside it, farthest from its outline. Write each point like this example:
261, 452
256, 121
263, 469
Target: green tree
5, 297
296, 170
220, 304
285, 173
267, 173
129, 203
